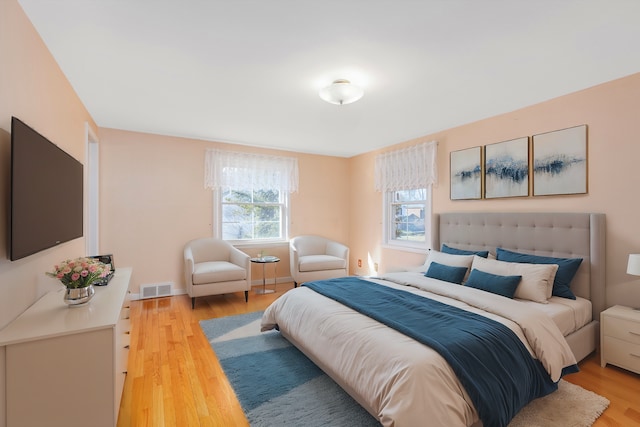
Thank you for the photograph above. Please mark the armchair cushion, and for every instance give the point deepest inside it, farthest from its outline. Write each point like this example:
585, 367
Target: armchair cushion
320, 262
217, 271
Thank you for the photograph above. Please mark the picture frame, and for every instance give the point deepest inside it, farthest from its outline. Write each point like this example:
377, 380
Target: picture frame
466, 174
506, 168
560, 162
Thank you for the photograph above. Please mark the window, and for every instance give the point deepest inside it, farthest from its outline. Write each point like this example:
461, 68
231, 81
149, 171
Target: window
253, 215
251, 194
405, 177
407, 218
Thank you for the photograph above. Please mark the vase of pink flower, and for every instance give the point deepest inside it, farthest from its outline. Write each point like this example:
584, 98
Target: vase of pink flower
78, 276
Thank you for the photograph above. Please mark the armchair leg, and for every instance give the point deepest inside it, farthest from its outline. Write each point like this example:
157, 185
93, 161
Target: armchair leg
246, 296
193, 303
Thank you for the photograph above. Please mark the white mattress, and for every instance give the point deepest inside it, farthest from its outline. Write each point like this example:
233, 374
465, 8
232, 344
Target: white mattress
569, 315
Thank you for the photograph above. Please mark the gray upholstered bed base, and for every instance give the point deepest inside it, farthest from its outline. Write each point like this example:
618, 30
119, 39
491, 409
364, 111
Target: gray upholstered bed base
567, 235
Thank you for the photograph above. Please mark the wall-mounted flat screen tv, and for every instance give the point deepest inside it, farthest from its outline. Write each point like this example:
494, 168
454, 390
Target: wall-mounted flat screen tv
46, 193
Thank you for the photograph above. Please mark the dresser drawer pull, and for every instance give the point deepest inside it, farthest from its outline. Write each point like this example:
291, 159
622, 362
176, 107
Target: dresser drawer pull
634, 333
635, 355
127, 347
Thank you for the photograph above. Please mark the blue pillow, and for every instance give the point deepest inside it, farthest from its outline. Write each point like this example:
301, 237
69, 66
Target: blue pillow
455, 251
567, 268
500, 285
446, 273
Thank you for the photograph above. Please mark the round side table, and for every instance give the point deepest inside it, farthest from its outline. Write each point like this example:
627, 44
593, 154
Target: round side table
264, 261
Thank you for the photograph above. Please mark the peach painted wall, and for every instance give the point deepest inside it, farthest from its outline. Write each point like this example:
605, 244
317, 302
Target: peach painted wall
34, 89
153, 200
610, 110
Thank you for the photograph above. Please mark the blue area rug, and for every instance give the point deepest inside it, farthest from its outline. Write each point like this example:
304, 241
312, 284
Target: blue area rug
276, 384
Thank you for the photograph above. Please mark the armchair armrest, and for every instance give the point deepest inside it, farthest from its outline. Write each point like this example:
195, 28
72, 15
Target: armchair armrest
294, 256
188, 268
338, 250
241, 259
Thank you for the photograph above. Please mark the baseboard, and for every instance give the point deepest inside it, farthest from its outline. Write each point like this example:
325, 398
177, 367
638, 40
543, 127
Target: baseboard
257, 282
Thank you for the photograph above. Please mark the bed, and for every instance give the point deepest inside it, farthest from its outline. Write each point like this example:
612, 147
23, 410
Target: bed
401, 381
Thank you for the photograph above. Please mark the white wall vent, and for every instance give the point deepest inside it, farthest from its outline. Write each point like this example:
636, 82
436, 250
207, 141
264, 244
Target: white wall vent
155, 290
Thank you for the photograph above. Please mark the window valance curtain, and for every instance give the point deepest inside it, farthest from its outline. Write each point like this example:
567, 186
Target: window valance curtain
246, 171
407, 168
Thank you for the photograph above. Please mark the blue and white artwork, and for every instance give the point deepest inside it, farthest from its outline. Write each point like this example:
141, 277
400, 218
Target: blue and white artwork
466, 174
560, 162
506, 168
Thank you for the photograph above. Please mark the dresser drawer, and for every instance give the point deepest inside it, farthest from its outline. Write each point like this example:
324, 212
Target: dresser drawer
621, 353
623, 329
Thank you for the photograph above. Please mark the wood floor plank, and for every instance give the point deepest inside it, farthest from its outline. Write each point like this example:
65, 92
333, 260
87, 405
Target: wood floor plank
175, 380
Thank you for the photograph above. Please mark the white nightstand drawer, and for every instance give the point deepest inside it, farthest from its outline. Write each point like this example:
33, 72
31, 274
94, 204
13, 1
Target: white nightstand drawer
622, 353
624, 329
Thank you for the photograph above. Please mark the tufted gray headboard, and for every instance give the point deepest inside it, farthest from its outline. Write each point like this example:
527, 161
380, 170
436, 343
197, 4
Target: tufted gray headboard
567, 235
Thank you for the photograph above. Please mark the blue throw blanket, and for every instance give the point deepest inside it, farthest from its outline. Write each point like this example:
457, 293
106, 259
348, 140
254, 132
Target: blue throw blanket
491, 362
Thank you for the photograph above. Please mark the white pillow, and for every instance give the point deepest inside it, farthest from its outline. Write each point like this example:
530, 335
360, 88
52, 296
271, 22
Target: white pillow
446, 259
537, 279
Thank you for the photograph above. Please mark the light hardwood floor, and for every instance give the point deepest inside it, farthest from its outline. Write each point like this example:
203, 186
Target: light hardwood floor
174, 378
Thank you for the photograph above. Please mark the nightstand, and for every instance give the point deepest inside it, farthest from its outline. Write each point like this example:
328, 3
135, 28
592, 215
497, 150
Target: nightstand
620, 338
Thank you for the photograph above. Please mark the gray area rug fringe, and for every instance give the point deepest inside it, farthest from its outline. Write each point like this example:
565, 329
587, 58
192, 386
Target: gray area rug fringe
277, 385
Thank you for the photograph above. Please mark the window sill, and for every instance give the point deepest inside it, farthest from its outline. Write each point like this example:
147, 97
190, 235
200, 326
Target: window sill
259, 244
412, 249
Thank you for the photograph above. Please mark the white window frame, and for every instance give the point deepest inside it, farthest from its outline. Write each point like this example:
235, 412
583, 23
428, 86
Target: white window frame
243, 170
217, 222
92, 191
388, 228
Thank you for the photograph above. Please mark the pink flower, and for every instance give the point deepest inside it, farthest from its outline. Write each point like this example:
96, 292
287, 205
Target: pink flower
79, 272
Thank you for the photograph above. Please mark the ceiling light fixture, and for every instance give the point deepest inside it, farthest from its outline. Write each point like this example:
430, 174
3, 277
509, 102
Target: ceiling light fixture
341, 92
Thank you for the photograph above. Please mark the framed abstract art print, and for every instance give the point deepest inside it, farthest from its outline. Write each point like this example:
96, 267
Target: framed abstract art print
466, 174
506, 168
560, 162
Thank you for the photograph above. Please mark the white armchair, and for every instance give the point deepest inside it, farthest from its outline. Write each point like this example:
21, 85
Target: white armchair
214, 266
317, 258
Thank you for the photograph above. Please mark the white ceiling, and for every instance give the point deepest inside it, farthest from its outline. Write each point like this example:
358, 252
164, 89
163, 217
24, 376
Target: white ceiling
249, 71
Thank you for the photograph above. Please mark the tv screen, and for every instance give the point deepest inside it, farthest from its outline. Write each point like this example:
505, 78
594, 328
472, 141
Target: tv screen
46, 193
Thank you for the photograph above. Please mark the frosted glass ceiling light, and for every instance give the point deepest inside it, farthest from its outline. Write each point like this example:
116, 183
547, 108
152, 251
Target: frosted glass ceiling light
341, 92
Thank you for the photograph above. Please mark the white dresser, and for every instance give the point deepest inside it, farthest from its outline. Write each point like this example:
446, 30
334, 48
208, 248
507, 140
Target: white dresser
620, 338
65, 366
